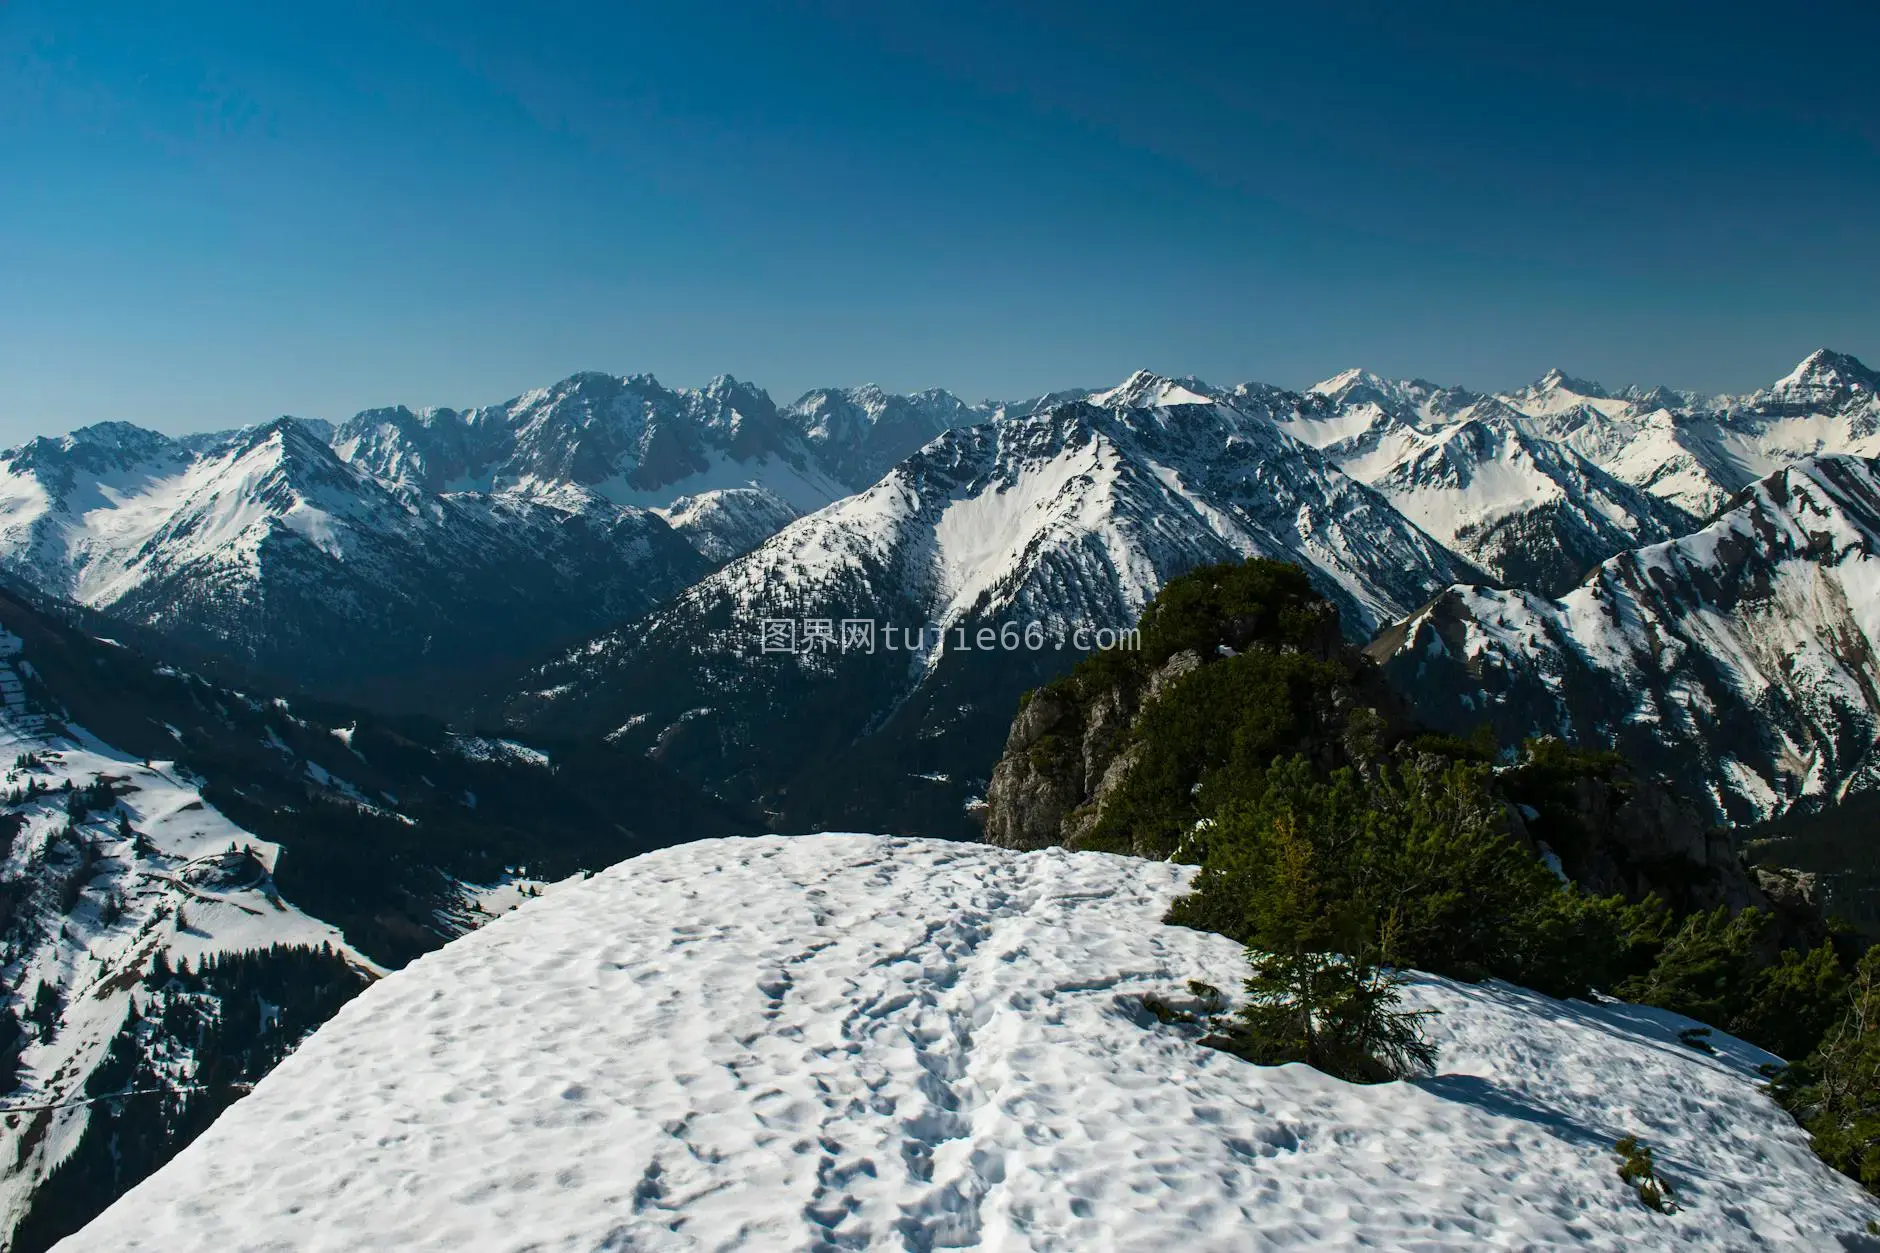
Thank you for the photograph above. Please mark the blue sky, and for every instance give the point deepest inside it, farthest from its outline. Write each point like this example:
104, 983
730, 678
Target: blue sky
213, 212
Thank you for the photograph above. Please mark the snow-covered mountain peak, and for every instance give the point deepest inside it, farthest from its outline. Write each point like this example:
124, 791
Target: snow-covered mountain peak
1830, 375
101, 449
857, 433
1557, 379
1146, 390
1345, 380
1737, 658
120, 437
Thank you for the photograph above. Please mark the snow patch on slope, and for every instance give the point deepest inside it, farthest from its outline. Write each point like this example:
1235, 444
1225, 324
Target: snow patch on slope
857, 1042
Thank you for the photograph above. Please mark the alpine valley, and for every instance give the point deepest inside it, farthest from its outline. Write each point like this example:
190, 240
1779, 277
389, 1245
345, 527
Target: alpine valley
289, 706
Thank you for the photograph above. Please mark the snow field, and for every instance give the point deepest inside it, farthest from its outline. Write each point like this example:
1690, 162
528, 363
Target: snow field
856, 1042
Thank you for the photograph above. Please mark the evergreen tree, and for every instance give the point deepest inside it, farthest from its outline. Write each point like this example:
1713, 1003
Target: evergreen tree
1791, 1006
1707, 968
1835, 1091
45, 1007
1322, 988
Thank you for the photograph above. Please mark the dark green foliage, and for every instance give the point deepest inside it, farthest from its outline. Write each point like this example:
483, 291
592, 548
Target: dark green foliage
1711, 969
1253, 603
1480, 746
1273, 661
1256, 602
1419, 841
1570, 943
1705, 969
95, 795
1298, 881
1791, 1005
12, 1040
1835, 1091
229, 1022
1209, 737
44, 1011
1637, 1169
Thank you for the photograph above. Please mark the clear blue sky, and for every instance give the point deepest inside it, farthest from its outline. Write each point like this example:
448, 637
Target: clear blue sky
214, 212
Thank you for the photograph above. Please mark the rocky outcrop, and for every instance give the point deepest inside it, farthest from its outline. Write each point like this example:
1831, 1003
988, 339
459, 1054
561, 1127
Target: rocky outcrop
1064, 756
1616, 832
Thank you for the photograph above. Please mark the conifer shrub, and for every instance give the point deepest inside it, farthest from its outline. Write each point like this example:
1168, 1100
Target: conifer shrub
1834, 1092
1637, 1169
1711, 969
1297, 877
1419, 840
1792, 1005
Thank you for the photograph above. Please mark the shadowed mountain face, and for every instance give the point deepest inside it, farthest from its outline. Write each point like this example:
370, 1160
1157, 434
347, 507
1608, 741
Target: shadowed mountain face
270, 551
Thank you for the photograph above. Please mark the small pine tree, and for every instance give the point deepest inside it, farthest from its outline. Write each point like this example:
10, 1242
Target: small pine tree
45, 1007
1320, 990
1637, 1168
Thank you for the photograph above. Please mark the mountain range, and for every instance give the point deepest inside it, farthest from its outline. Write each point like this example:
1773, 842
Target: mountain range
1037, 527
598, 556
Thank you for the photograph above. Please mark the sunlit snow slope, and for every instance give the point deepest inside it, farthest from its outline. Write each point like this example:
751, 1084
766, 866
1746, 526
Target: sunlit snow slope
845, 1042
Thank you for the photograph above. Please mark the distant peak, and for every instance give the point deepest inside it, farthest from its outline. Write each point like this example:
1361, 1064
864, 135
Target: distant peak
1146, 390
122, 435
1557, 379
1344, 381
1826, 370
293, 434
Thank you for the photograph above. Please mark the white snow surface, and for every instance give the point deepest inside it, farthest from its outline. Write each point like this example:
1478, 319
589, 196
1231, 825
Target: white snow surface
857, 1042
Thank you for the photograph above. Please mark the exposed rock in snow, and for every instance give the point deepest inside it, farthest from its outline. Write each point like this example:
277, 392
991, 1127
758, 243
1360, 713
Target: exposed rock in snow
1528, 504
857, 1042
859, 433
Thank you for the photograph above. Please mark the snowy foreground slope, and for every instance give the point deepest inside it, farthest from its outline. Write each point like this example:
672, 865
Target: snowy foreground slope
861, 1042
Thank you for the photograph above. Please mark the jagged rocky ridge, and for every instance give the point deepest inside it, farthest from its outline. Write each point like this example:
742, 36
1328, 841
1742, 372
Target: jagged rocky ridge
1737, 661
422, 558
268, 550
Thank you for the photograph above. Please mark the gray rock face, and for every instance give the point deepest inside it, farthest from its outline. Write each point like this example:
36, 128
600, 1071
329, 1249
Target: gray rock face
1027, 800
1063, 760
